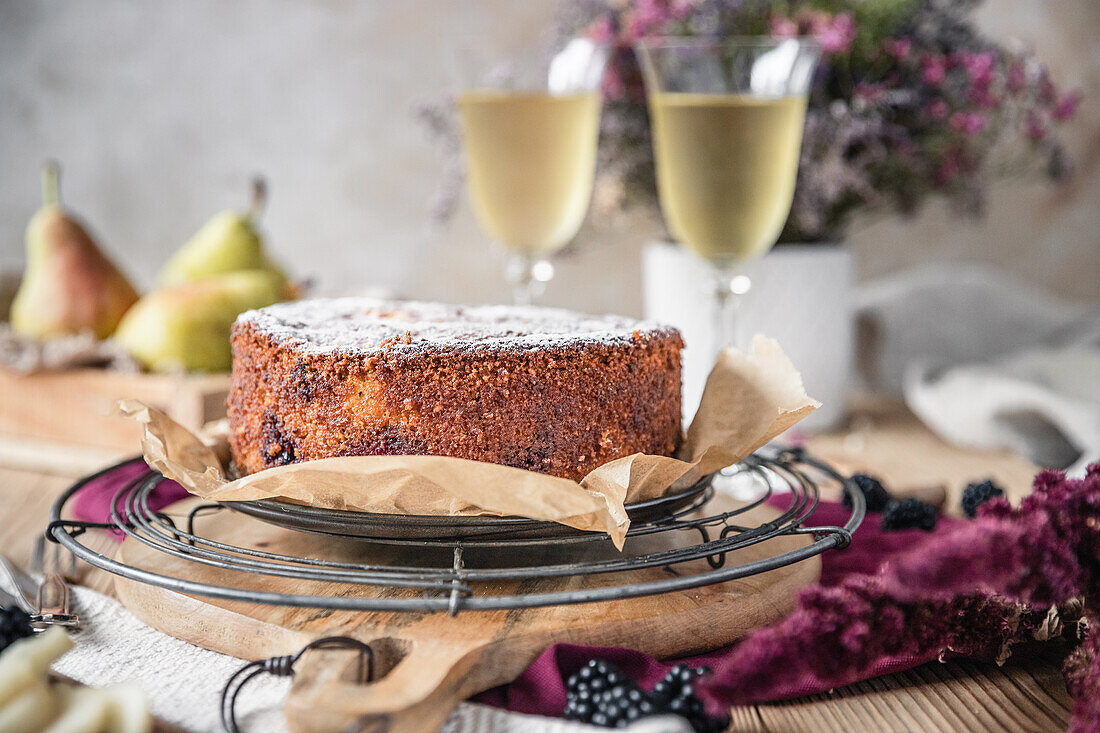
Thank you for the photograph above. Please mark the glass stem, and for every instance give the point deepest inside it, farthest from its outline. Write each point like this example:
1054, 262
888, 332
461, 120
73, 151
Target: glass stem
726, 326
521, 274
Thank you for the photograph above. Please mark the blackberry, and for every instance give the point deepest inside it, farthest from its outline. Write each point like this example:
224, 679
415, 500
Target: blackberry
874, 493
601, 694
909, 514
976, 494
15, 624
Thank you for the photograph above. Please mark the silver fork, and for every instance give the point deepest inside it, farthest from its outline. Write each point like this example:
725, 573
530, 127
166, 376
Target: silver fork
26, 587
53, 601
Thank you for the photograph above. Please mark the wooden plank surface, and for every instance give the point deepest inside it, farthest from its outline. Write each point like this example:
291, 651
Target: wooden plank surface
954, 696
1024, 695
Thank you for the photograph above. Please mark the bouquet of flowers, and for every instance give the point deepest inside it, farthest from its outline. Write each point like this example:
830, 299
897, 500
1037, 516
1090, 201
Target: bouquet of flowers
910, 101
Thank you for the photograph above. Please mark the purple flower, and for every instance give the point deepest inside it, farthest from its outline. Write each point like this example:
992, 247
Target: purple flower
602, 31
650, 16
835, 34
1066, 107
783, 27
979, 66
969, 122
613, 86
1036, 128
1047, 92
981, 96
925, 77
933, 69
1015, 79
899, 48
870, 93
949, 167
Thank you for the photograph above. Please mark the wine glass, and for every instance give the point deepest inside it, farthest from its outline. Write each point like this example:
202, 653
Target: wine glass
727, 118
530, 128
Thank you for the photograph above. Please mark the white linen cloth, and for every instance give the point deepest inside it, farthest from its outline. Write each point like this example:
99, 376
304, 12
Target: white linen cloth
183, 682
987, 361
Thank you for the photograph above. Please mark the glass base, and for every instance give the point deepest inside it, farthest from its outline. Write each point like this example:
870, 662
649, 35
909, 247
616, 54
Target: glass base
528, 277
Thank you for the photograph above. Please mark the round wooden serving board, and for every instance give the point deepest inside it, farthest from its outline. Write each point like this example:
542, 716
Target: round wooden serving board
425, 664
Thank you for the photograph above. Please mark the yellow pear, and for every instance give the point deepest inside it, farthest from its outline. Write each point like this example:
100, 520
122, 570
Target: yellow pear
226, 243
69, 286
186, 327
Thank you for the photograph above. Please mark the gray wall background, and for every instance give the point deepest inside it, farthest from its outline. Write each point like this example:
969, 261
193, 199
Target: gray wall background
161, 111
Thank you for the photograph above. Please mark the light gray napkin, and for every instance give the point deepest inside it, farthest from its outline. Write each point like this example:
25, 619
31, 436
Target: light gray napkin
987, 361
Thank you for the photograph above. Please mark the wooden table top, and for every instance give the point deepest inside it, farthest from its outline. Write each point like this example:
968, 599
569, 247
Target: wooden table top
882, 438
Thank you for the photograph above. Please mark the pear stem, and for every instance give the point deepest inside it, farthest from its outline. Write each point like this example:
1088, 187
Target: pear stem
259, 198
51, 183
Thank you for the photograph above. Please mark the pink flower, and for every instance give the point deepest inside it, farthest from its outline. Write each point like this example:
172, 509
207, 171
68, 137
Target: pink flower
1015, 78
681, 9
908, 147
783, 28
937, 109
969, 122
979, 66
613, 86
649, 16
602, 31
869, 92
1067, 106
836, 35
1047, 93
1036, 128
933, 69
949, 167
982, 97
898, 47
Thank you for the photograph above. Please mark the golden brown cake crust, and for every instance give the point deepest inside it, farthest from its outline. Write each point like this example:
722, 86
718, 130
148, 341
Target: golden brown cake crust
540, 389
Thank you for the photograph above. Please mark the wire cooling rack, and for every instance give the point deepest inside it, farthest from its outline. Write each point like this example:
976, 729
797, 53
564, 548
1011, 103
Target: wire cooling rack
689, 532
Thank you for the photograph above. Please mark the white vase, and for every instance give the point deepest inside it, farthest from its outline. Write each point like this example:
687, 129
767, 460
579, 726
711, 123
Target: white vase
801, 296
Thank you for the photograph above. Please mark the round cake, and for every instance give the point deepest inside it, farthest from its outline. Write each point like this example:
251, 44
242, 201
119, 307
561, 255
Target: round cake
536, 388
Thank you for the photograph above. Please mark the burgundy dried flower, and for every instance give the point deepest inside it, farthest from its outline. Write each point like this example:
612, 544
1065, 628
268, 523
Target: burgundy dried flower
976, 590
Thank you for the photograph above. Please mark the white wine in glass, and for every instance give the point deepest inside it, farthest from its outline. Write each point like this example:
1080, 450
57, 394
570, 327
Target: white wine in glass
726, 165
530, 159
530, 147
727, 120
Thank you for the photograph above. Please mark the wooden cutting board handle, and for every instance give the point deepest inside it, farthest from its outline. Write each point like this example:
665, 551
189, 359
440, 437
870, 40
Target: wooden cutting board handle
417, 685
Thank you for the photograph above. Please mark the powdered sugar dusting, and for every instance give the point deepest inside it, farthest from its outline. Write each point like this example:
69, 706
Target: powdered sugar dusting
368, 325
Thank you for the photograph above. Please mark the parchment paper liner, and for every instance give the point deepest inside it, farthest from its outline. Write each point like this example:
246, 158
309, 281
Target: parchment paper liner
748, 400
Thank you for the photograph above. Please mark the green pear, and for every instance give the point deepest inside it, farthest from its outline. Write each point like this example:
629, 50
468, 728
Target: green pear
69, 286
186, 327
226, 243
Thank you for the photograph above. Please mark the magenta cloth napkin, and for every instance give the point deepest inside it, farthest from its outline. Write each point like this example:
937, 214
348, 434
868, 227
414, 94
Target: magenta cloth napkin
92, 502
540, 690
